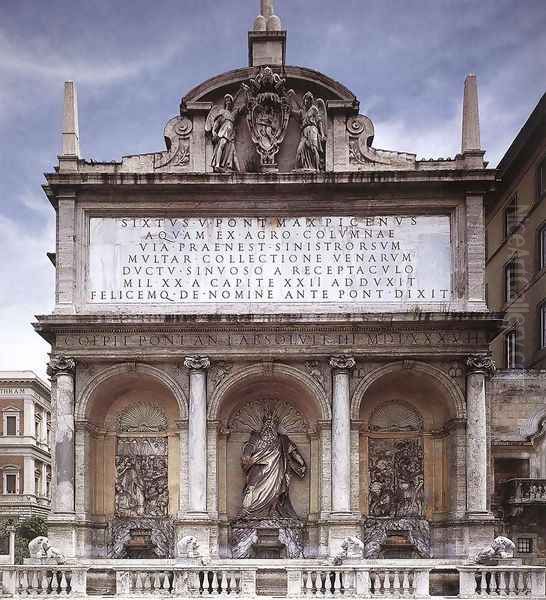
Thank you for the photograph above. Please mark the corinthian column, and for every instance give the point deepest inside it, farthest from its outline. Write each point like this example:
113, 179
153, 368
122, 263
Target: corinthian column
341, 434
479, 367
197, 434
61, 369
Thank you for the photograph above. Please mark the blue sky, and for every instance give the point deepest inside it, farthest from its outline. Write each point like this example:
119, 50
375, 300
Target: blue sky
133, 61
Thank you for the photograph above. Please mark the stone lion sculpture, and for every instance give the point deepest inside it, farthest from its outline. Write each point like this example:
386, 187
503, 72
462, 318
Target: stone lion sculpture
352, 547
40, 548
501, 547
188, 547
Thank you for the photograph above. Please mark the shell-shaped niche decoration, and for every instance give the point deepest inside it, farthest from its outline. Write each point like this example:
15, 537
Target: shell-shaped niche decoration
142, 417
396, 416
250, 416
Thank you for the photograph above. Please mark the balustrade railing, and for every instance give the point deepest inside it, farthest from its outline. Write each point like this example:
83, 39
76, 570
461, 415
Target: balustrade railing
228, 579
370, 582
488, 582
31, 580
205, 581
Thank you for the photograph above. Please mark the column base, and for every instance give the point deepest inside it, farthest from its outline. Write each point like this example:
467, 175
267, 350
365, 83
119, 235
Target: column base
61, 532
342, 525
200, 526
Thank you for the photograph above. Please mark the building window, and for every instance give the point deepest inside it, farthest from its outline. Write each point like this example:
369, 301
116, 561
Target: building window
541, 179
542, 248
510, 280
11, 425
511, 349
542, 325
525, 545
511, 217
11, 422
11, 481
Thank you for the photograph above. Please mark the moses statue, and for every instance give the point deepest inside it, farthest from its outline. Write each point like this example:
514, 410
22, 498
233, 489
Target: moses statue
269, 460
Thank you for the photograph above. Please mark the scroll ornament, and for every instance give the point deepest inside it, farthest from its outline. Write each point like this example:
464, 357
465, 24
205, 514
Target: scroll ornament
342, 362
481, 363
198, 363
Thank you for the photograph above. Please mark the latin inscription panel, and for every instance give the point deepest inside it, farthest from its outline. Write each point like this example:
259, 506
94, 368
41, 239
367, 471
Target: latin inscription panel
283, 261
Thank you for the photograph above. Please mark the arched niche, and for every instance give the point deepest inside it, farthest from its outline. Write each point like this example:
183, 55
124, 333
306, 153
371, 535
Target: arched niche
405, 411
129, 411
236, 405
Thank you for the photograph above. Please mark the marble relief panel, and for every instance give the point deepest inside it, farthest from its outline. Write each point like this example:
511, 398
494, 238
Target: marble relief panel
141, 477
396, 477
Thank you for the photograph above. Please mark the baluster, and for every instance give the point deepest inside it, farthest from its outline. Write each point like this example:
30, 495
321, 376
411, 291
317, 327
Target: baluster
63, 585
214, 585
396, 583
406, 591
520, 586
325, 582
481, 583
376, 583
337, 583
387, 582
306, 576
138, 583
224, 583
502, 583
44, 582
22, 582
232, 584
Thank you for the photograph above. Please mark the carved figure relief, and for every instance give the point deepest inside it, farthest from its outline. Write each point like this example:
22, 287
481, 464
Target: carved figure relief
312, 114
268, 113
141, 477
221, 126
396, 477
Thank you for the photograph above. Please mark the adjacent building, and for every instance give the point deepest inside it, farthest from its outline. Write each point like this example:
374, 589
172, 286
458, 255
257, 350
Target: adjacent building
516, 248
25, 433
516, 285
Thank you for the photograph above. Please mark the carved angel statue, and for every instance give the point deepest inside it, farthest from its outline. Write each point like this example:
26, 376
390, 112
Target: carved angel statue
310, 155
220, 124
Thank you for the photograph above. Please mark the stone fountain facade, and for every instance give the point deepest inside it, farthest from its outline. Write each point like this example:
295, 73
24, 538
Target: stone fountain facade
270, 265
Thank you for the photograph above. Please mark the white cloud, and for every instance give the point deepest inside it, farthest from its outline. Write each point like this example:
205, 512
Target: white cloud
49, 64
27, 289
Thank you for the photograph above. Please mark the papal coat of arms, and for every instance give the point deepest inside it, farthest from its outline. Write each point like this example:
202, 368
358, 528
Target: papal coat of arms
268, 112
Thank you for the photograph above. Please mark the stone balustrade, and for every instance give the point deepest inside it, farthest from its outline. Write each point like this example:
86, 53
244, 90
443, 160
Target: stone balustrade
518, 582
209, 581
228, 579
376, 581
43, 580
524, 491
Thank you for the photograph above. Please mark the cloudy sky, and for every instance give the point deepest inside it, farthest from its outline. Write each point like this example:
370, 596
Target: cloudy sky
406, 60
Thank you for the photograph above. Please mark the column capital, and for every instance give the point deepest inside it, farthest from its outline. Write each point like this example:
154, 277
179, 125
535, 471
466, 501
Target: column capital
61, 365
480, 363
342, 362
197, 363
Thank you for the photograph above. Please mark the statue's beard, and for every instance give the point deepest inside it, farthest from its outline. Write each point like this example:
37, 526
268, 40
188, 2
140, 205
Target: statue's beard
268, 434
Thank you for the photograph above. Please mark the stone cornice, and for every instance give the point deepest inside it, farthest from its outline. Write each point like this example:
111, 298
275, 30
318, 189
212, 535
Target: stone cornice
36, 385
100, 176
